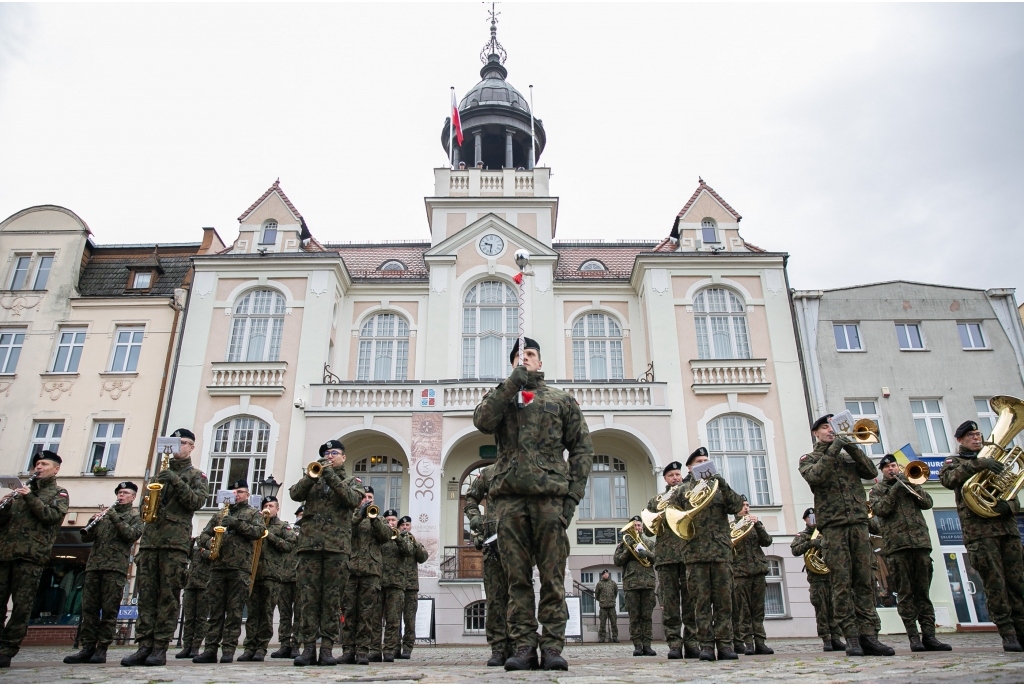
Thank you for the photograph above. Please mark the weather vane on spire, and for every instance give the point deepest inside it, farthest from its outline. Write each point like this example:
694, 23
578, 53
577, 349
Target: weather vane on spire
493, 47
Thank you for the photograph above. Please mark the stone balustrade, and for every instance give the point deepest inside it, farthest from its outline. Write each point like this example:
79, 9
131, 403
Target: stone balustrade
248, 378
714, 376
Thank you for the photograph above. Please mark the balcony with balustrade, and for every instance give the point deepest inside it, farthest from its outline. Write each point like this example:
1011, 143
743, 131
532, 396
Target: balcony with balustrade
248, 378
718, 376
488, 183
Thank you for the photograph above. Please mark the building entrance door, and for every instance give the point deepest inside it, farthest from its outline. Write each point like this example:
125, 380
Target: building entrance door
966, 586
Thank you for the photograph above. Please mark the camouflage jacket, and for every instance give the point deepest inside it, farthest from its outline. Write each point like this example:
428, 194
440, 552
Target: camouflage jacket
290, 564
237, 544
606, 591
276, 551
30, 524
748, 558
953, 474
198, 576
899, 516
113, 539
184, 492
839, 498
801, 543
476, 494
712, 542
391, 553
410, 565
329, 503
530, 441
636, 576
669, 547
367, 537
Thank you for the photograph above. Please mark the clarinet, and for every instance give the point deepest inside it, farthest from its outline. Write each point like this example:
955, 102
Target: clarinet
14, 495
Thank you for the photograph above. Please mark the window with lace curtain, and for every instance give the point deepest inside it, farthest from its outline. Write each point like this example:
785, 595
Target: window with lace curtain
257, 327
383, 349
490, 326
721, 322
596, 348
239, 451
736, 445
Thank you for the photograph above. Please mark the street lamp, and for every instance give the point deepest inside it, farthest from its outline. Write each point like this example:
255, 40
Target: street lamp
268, 487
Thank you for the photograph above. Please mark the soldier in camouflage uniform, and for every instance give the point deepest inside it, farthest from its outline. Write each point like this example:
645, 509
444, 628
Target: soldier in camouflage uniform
606, 592
106, 573
993, 544
495, 582
393, 583
534, 493
163, 554
708, 557
834, 471
363, 591
411, 578
638, 583
28, 527
275, 552
820, 589
676, 603
749, 568
229, 586
907, 547
194, 607
325, 540
287, 600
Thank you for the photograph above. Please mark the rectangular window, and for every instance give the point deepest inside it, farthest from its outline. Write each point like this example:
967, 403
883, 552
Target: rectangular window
970, 336
70, 342
127, 348
382, 360
847, 336
142, 279
269, 236
45, 436
774, 596
42, 272
931, 427
579, 360
703, 346
868, 409
20, 272
401, 363
909, 335
11, 341
469, 357
987, 420
708, 234
106, 445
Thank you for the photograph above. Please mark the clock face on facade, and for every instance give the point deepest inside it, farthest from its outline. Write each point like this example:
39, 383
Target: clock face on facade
491, 244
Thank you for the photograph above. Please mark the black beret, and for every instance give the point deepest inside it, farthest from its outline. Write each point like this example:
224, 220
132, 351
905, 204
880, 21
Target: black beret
126, 485
671, 466
184, 433
240, 483
529, 344
368, 488
390, 512
743, 497
604, 572
636, 518
300, 510
821, 422
270, 498
405, 519
699, 452
807, 512
48, 455
887, 459
965, 428
331, 445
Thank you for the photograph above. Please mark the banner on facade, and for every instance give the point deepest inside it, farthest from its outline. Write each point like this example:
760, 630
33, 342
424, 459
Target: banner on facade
425, 487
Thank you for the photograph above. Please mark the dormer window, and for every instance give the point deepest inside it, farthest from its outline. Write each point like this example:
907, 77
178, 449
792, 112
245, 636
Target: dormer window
269, 236
141, 280
392, 265
593, 265
709, 231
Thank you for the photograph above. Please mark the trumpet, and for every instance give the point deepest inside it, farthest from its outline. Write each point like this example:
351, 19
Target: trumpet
10, 497
218, 535
95, 522
394, 533
315, 468
151, 501
371, 511
864, 432
741, 529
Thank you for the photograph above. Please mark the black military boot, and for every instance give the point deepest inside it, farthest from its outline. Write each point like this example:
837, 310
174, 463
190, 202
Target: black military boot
497, 658
525, 659
138, 657
648, 651
638, 649
826, 644
186, 651
552, 660
690, 651
853, 647
915, 643
362, 659
933, 645
5, 660
838, 644
675, 652
260, 655
227, 655
285, 652
308, 656
1010, 643
407, 654
247, 655
707, 654
389, 657
209, 656
872, 647
726, 652
82, 656
99, 656
327, 655
195, 650
158, 657
748, 649
761, 648
347, 658
376, 657
295, 650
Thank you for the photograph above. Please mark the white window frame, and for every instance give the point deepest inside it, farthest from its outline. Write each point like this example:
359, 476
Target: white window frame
753, 452
53, 434
238, 438
248, 318
612, 469
19, 259
268, 232
40, 272
597, 336
910, 342
472, 321
858, 411
730, 311
393, 265
392, 470
987, 419
383, 348
591, 584
11, 342
926, 419
476, 612
593, 265
74, 343
138, 274
709, 224
109, 444
135, 335
846, 337
969, 330
776, 576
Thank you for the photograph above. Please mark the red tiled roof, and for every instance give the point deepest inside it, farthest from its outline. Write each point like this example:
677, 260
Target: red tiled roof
617, 259
753, 248
364, 261
272, 189
702, 187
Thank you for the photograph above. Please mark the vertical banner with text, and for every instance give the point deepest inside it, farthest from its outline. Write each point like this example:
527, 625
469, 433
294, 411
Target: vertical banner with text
425, 487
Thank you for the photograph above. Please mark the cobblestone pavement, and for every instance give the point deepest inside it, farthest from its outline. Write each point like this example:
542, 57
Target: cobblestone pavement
977, 658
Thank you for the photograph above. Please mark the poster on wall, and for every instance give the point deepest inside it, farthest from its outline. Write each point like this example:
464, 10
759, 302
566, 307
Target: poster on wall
424, 620
574, 626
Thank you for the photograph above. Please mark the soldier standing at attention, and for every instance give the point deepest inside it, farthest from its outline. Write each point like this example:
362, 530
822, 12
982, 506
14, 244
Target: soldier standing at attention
113, 536
325, 540
534, 494
393, 584
820, 589
287, 604
638, 583
676, 603
749, 568
276, 550
229, 586
194, 607
363, 592
163, 554
411, 576
29, 524
993, 544
834, 470
606, 592
495, 582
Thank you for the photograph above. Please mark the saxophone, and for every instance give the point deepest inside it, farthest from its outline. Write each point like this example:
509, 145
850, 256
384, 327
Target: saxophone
218, 534
984, 490
814, 559
151, 501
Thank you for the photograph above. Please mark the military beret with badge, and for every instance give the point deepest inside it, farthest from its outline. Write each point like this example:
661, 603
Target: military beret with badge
671, 466
47, 455
965, 428
699, 452
405, 519
126, 485
184, 433
331, 445
821, 422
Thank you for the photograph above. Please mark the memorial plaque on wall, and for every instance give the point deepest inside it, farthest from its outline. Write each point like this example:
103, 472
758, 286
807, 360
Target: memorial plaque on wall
584, 536
604, 536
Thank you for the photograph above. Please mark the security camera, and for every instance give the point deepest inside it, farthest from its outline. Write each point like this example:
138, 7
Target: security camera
300, 403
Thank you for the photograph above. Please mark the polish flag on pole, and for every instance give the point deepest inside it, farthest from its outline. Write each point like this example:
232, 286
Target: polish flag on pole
456, 121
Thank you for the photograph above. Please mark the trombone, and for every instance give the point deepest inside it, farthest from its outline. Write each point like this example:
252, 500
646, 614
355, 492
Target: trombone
917, 472
864, 432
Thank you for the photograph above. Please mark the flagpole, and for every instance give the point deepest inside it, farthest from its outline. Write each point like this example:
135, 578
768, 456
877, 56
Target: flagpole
533, 137
451, 132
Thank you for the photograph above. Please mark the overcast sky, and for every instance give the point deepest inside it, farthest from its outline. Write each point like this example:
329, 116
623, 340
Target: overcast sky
871, 142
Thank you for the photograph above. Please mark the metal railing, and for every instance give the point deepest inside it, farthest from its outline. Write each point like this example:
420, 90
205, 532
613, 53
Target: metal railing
462, 563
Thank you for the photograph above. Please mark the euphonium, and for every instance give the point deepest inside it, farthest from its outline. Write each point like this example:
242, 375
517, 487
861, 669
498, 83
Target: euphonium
680, 521
741, 529
814, 559
218, 535
631, 539
151, 501
984, 490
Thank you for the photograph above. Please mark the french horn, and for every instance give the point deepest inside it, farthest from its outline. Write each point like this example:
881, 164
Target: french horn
814, 559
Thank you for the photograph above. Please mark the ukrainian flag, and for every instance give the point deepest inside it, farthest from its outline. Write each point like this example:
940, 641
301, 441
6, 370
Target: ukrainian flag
905, 455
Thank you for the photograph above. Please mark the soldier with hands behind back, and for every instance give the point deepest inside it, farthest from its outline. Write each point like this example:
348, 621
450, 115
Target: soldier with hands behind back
393, 585
274, 554
820, 588
606, 592
411, 578
638, 583
749, 569
484, 530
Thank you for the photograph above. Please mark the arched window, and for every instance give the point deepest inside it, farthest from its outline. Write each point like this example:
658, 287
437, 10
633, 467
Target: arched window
593, 265
490, 326
596, 348
708, 230
269, 236
239, 451
383, 349
606, 495
721, 322
257, 327
392, 265
384, 474
476, 618
775, 589
736, 445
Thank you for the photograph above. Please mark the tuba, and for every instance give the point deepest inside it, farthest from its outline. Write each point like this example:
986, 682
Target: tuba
741, 529
983, 490
814, 559
631, 539
218, 535
152, 499
680, 521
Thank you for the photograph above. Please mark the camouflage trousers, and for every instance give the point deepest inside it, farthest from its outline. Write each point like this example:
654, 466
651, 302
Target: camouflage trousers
392, 604
19, 581
912, 572
411, 603
824, 616
322, 578
259, 626
196, 616
530, 529
748, 608
285, 601
607, 616
101, 592
361, 630
226, 595
496, 621
161, 573
848, 555
999, 562
640, 605
677, 606
710, 585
